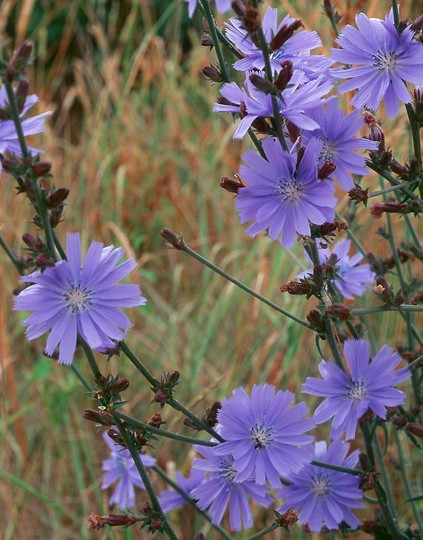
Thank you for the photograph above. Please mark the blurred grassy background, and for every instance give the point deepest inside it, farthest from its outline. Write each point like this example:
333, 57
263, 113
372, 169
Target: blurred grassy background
134, 138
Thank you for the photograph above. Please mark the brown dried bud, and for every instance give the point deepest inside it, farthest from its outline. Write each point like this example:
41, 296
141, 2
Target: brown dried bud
295, 287
326, 170
156, 421
119, 386
284, 76
289, 518
368, 481
417, 24
99, 417
316, 320
206, 41
41, 168
212, 73
56, 215
390, 207
262, 84
173, 239
293, 130
43, 261
34, 243
418, 102
21, 94
211, 414
397, 168
338, 311
230, 184
251, 19
19, 60
160, 396
239, 8
97, 522
417, 298
57, 197
358, 194
415, 428
284, 34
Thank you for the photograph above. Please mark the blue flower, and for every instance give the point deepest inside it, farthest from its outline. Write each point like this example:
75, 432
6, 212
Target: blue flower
367, 385
384, 60
264, 433
324, 496
71, 298
120, 467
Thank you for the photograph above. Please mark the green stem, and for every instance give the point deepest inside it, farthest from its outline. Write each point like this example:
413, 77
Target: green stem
265, 531
389, 177
407, 485
367, 311
136, 362
216, 42
395, 11
81, 377
269, 75
58, 245
217, 34
90, 357
40, 204
222, 273
190, 501
416, 363
16, 262
324, 465
129, 443
390, 189
133, 422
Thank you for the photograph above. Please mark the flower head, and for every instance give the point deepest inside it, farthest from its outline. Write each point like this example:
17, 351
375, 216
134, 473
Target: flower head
71, 298
338, 133
31, 126
220, 489
120, 467
384, 60
170, 499
352, 276
281, 197
263, 433
295, 49
367, 385
324, 496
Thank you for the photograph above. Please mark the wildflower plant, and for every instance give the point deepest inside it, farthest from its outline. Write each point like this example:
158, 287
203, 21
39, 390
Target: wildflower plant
257, 449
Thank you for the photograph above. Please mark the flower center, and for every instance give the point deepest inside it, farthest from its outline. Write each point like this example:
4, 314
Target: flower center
121, 461
290, 190
385, 60
321, 485
226, 472
78, 298
327, 153
358, 391
261, 436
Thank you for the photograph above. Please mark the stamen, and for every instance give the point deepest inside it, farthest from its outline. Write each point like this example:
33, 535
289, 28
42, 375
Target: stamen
290, 190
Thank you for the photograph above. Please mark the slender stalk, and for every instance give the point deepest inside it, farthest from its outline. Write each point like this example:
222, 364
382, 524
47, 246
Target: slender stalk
324, 465
58, 245
40, 205
395, 11
133, 422
407, 485
190, 501
90, 357
81, 377
144, 476
367, 311
389, 177
216, 41
398, 187
138, 364
241, 285
176, 405
18, 265
416, 363
265, 531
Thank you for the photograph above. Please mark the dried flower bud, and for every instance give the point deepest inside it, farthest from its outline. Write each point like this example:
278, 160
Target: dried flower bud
289, 518
230, 184
285, 32
330, 11
326, 170
99, 417
358, 194
368, 481
397, 168
239, 8
418, 102
206, 41
119, 386
42, 168
57, 197
262, 84
212, 73
417, 24
173, 239
284, 76
97, 522
390, 207
19, 60
156, 421
316, 320
21, 94
43, 261
338, 311
415, 428
295, 287
34, 243
211, 414
251, 20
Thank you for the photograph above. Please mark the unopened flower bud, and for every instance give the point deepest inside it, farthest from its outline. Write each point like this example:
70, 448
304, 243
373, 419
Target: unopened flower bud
415, 428
212, 73
295, 287
230, 184
56, 215
173, 239
262, 84
160, 396
34, 243
390, 207
41, 168
326, 170
358, 194
99, 417
57, 197
289, 518
284, 76
119, 386
43, 261
19, 60
238, 7
285, 32
21, 94
156, 421
397, 168
338, 311
251, 20
211, 414
206, 41
97, 522
418, 102
417, 24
